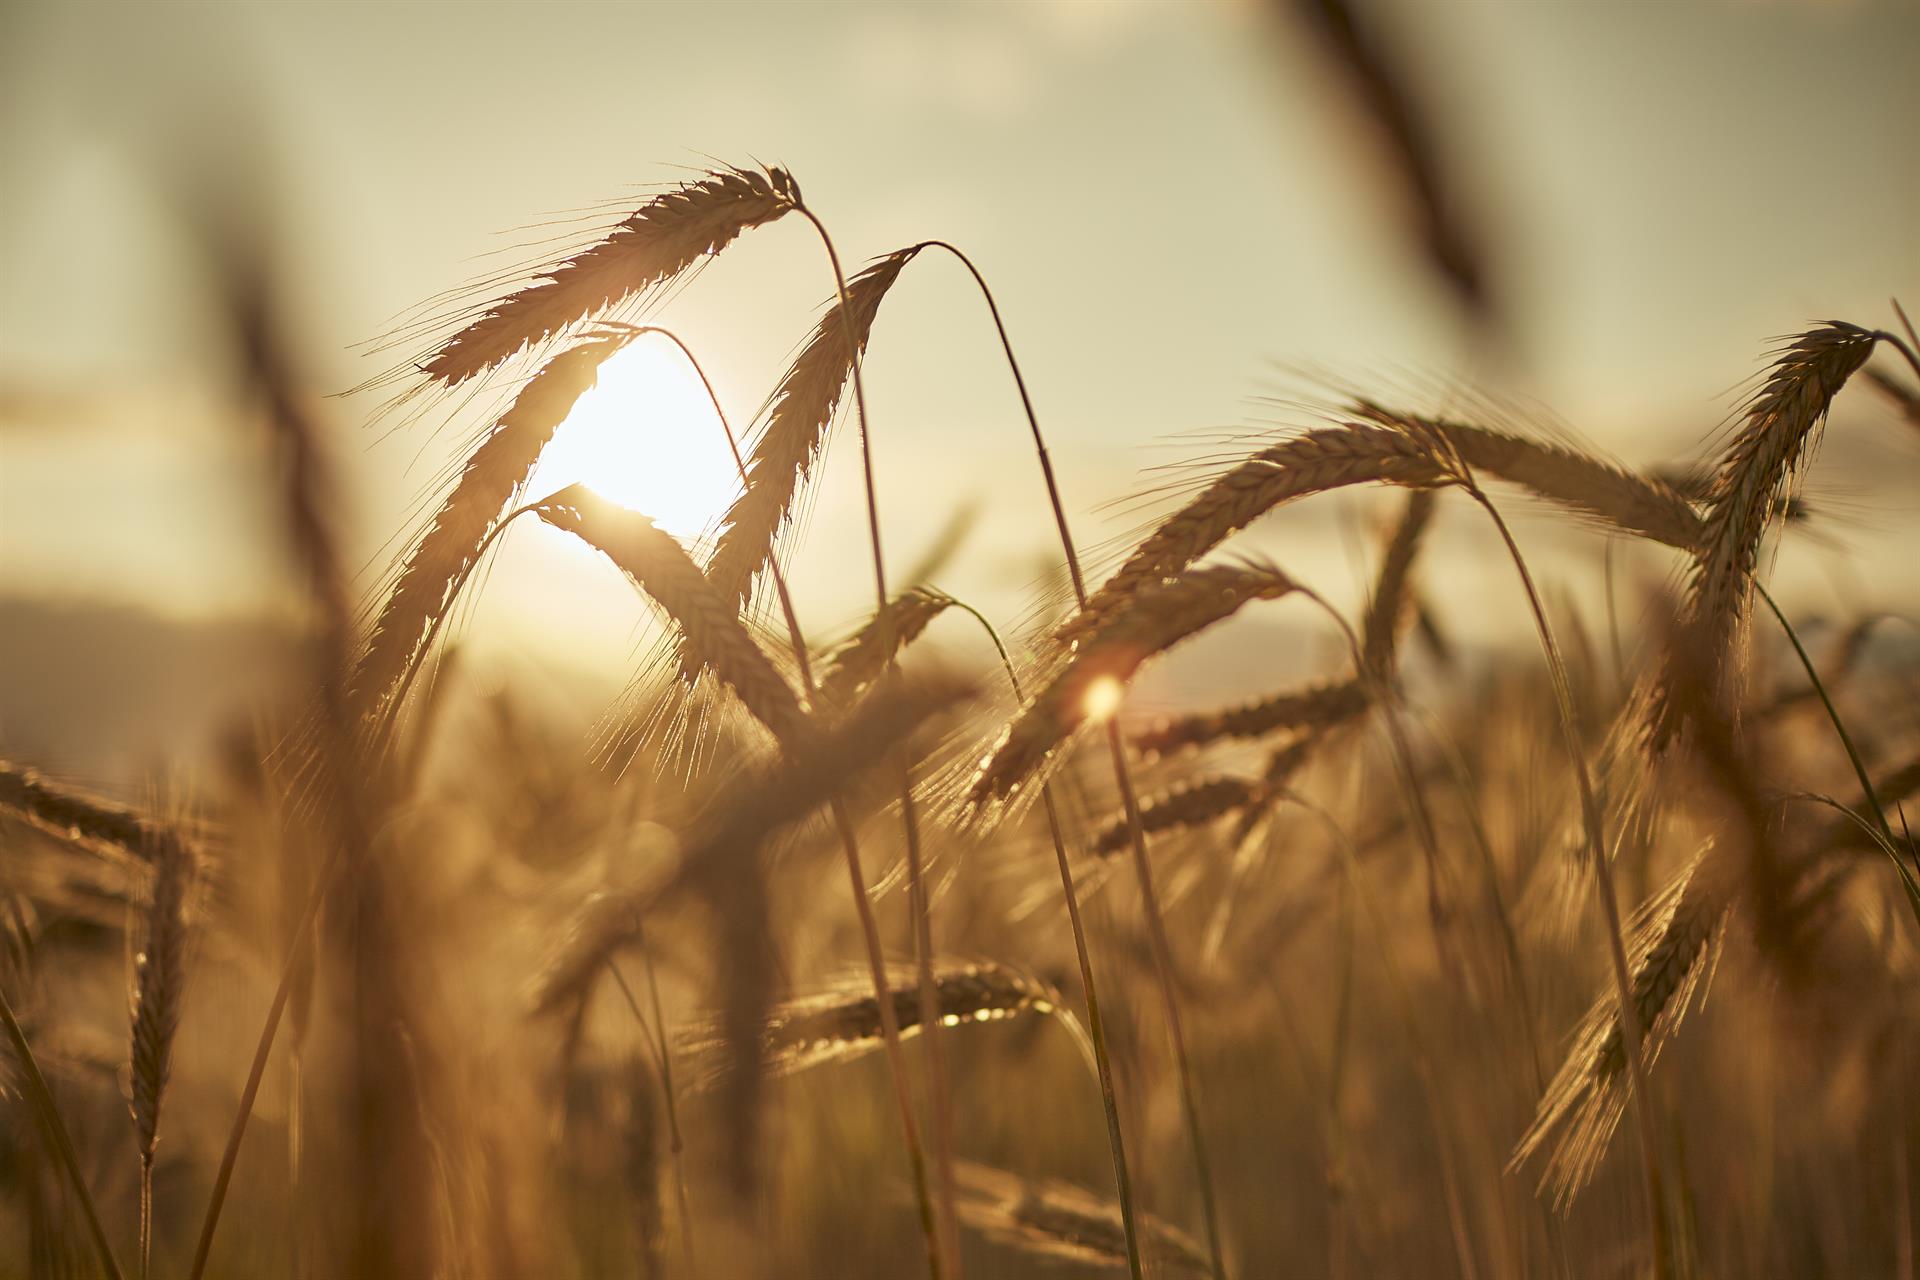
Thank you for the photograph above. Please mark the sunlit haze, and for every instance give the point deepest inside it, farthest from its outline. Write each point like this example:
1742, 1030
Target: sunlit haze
646, 436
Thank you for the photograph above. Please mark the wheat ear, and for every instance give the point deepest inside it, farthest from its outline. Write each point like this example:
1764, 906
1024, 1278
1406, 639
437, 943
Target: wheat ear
1676, 940
1755, 477
799, 416
843, 1022
674, 231
661, 567
1156, 619
493, 476
1615, 497
159, 989
71, 815
860, 660
1059, 1222
1312, 707
1188, 804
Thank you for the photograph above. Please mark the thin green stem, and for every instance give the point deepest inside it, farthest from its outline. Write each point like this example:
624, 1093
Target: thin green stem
42, 1098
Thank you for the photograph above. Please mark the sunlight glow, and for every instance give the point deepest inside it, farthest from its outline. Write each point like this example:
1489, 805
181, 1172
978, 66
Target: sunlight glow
646, 437
1103, 698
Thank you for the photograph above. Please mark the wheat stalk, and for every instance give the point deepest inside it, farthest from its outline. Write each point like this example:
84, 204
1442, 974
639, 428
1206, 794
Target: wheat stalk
674, 231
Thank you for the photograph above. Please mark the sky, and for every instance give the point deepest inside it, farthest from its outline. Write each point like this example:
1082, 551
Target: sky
1171, 199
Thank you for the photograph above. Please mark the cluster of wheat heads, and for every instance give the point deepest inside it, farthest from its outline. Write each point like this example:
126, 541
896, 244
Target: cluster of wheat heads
836, 750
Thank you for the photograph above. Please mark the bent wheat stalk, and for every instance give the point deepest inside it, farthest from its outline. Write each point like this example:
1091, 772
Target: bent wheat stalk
943, 1236
1096, 1024
1456, 465
41, 1098
1142, 864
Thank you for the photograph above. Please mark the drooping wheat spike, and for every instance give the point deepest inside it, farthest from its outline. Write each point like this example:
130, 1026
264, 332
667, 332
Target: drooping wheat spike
661, 568
1675, 944
491, 479
1615, 496
857, 662
1309, 463
799, 416
1063, 1223
1392, 602
672, 232
158, 993
161, 970
843, 1022
1189, 804
1755, 477
1315, 706
1155, 619
70, 815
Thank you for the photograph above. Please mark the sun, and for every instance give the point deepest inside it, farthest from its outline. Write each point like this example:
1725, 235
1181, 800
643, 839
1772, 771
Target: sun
646, 436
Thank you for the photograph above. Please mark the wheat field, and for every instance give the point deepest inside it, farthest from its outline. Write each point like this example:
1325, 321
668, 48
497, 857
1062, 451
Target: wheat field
940, 939
838, 955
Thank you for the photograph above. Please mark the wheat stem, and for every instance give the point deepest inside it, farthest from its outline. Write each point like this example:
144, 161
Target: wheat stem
944, 1240
1603, 877
223, 1175
1143, 869
1096, 1025
1887, 843
1422, 1060
43, 1104
655, 1038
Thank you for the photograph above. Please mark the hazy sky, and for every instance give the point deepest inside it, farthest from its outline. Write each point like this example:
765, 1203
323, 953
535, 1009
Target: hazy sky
1171, 200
